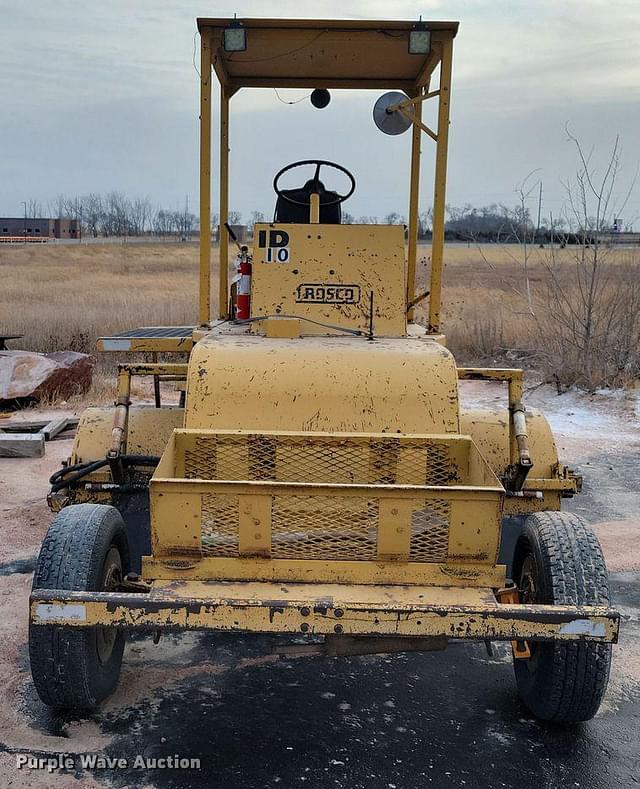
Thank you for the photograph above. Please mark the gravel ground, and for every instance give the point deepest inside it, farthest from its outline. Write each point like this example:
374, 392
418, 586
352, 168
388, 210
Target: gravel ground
394, 722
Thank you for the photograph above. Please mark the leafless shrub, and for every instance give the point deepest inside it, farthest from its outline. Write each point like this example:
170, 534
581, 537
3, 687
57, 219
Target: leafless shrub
574, 305
592, 323
590, 338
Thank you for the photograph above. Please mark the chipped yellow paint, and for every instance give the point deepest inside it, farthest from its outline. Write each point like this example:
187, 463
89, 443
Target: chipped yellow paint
394, 529
490, 432
148, 345
328, 276
408, 499
326, 609
149, 431
176, 524
305, 374
328, 384
313, 571
254, 525
282, 327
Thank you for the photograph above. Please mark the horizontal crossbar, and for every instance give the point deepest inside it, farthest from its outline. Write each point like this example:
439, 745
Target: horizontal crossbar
278, 609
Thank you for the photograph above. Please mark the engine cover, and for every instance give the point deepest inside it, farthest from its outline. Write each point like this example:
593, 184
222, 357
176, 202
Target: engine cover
327, 384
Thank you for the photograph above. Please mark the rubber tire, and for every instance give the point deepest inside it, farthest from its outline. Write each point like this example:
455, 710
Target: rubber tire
563, 681
65, 665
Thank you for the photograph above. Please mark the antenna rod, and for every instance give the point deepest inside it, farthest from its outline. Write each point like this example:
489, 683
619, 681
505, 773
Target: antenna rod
233, 236
370, 337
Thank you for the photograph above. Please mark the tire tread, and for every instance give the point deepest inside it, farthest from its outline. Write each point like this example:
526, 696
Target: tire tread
70, 558
573, 676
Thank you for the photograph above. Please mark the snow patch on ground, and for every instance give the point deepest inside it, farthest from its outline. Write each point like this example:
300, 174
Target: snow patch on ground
605, 420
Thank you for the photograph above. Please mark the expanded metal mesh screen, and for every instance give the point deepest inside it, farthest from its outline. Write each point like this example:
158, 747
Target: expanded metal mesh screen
326, 527
331, 528
430, 531
219, 516
323, 528
387, 461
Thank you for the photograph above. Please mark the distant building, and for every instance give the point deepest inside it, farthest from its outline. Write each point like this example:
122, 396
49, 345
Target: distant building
241, 232
620, 237
19, 227
65, 228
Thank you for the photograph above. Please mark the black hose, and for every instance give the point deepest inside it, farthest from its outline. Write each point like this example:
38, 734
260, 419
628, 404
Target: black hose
65, 476
82, 470
257, 318
140, 460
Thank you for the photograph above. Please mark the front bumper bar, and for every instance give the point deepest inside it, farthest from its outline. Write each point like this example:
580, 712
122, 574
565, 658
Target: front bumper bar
443, 612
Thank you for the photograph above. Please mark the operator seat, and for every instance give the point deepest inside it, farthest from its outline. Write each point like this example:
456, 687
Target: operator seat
299, 214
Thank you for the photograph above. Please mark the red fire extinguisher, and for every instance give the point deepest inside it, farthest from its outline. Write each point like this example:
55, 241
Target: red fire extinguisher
243, 287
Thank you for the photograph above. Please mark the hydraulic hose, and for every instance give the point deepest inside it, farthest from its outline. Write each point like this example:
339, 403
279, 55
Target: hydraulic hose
65, 476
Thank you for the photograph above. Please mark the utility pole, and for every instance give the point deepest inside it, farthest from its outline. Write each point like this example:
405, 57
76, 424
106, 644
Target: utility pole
24, 229
78, 207
539, 209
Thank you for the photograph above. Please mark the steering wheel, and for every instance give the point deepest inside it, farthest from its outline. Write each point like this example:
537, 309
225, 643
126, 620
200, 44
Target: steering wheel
319, 163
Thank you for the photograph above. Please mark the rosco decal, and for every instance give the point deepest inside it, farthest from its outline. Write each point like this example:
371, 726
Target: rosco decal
325, 293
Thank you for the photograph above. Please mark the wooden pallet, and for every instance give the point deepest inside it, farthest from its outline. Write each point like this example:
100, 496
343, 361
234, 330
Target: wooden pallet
21, 439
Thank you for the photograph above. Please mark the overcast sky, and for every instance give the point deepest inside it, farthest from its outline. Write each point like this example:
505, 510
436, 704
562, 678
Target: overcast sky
96, 96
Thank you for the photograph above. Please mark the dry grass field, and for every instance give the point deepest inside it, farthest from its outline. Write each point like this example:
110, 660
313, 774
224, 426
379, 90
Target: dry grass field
64, 297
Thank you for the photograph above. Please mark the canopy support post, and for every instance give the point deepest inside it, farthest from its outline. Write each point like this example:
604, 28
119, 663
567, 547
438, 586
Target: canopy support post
204, 307
440, 181
223, 233
414, 200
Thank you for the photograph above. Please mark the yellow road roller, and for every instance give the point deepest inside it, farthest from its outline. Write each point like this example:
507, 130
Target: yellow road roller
318, 475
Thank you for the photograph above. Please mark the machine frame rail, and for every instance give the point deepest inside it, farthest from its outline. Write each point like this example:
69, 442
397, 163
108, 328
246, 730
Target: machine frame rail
325, 609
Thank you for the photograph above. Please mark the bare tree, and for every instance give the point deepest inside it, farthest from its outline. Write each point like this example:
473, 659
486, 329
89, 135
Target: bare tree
184, 223
425, 221
256, 216
524, 231
34, 208
580, 312
57, 206
139, 210
593, 299
93, 211
164, 223
116, 218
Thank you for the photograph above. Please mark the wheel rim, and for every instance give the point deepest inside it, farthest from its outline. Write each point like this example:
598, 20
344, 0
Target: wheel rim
111, 579
528, 593
527, 585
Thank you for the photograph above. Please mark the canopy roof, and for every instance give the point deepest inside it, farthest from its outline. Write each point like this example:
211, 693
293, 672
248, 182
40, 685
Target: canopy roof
321, 53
